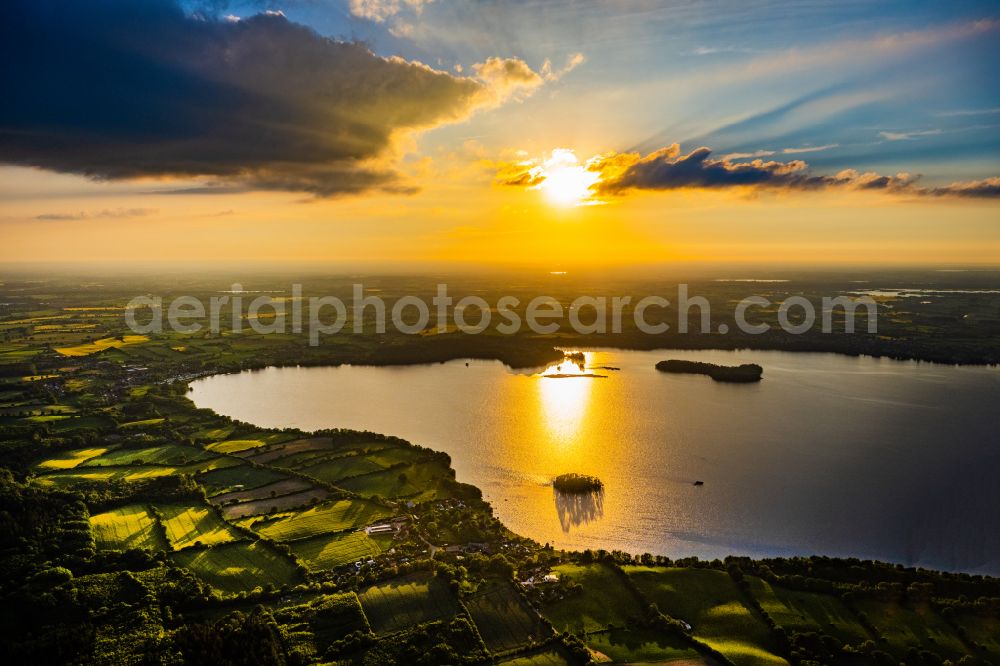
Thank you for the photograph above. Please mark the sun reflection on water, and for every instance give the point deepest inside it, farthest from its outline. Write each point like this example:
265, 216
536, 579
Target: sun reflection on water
564, 393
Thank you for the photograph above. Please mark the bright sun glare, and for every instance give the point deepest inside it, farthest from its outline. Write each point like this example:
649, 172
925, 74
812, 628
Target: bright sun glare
566, 182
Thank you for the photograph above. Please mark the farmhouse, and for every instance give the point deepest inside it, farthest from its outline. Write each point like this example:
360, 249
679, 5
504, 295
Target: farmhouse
545, 579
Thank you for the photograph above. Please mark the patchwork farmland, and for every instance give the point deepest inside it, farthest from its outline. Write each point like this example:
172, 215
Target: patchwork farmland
143, 526
406, 602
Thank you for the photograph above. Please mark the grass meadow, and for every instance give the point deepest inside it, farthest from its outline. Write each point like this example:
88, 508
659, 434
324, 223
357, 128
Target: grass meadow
334, 550
126, 527
238, 567
238, 477
404, 602
167, 454
918, 627
503, 620
709, 601
799, 611
335, 516
70, 459
603, 602
89, 348
189, 526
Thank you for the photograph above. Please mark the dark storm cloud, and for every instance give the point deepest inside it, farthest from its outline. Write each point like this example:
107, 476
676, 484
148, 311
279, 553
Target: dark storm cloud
117, 89
668, 169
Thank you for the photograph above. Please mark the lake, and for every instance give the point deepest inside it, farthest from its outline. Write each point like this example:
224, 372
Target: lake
829, 454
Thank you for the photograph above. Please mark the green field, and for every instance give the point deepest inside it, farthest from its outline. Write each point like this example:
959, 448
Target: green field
332, 470
279, 452
238, 477
70, 459
144, 423
235, 445
334, 550
167, 454
238, 567
47, 418
88, 473
81, 422
323, 519
503, 620
919, 627
420, 482
272, 490
213, 434
100, 345
131, 526
404, 602
273, 507
640, 646
275, 437
808, 611
69, 477
85, 474
603, 602
189, 526
709, 601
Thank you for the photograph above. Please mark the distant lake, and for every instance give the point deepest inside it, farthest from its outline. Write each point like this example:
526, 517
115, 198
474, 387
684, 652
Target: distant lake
828, 455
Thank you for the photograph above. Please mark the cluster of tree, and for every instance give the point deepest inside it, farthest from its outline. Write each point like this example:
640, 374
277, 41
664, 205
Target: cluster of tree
577, 483
622, 558
869, 578
238, 638
748, 372
515, 351
170, 489
40, 529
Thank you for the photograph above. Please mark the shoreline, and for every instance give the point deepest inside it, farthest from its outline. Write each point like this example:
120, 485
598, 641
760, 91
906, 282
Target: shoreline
496, 502
558, 354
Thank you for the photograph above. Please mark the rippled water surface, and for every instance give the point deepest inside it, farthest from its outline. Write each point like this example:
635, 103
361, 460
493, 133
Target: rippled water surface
828, 454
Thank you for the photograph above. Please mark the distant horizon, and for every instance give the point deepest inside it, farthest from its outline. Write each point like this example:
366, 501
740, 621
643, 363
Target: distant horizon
251, 267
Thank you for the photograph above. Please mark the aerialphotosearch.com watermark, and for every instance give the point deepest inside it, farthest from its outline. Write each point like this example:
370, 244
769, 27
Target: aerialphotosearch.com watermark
320, 316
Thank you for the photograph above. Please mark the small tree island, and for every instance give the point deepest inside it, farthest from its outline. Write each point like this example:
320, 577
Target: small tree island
577, 483
748, 372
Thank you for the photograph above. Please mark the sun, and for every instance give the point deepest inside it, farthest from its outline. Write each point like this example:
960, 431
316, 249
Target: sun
565, 182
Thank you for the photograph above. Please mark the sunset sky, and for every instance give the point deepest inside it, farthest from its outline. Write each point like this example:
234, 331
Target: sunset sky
548, 133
